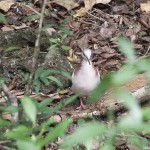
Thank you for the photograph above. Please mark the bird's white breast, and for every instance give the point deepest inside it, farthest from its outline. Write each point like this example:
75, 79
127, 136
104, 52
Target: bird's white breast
86, 79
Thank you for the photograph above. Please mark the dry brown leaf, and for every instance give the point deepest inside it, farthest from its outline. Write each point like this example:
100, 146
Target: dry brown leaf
22, 26
103, 1
68, 4
83, 42
145, 7
88, 6
6, 4
106, 32
35, 1
106, 55
81, 12
7, 28
73, 59
111, 62
56, 118
50, 31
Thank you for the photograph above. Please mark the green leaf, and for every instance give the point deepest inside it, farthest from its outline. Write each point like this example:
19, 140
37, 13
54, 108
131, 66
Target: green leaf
26, 76
31, 17
3, 19
84, 134
52, 109
144, 142
127, 49
38, 72
49, 26
81, 122
29, 108
66, 74
44, 127
146, 113
19, 133
11, 109
143, 64
135, 116
70, 99
45, 73
126, 73
12, 48
67, 31
4, 123
27, 145
2, 79
54, 46
130, 102
137, 141
55, 132
53, 40
44, 103
66, 48
64, 36
108, 147
100, 90
125, 125
45, 81
55, 80
37, 85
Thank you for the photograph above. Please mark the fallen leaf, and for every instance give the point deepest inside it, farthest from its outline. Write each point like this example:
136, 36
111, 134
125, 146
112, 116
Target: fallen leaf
72, 59
106, 32
74, 25
7, 28
20, 27
122, 8
7, 116
83, 42
64, 91
81, 12
128, 1
68, 4
103, 1
56, 118
106, 55
6, 4
50, 31
35, 1
88, 6
111, 62
145, 7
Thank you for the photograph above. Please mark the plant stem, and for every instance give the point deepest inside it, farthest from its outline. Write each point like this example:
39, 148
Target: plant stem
36, 52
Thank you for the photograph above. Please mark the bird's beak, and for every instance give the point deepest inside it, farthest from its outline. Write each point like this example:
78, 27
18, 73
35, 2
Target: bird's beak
88, 61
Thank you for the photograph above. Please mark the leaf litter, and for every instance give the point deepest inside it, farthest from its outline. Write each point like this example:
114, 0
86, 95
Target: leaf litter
97, 25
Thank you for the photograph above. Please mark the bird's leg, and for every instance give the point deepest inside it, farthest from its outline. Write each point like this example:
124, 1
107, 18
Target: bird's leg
81, 106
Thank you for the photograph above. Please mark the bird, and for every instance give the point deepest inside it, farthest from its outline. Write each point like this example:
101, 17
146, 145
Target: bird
86, 77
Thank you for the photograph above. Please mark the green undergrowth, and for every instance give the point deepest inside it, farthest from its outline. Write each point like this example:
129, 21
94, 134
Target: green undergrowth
35, 128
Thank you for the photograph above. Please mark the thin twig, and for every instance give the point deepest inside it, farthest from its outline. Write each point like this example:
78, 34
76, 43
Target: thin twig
12, 99
101, 19
148, 49
33, 10
36, 51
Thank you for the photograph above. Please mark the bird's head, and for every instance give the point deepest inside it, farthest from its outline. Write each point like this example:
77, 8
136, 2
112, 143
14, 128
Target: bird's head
87, 54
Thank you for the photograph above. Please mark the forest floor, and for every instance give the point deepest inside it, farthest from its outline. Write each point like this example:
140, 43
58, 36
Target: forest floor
98, 29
